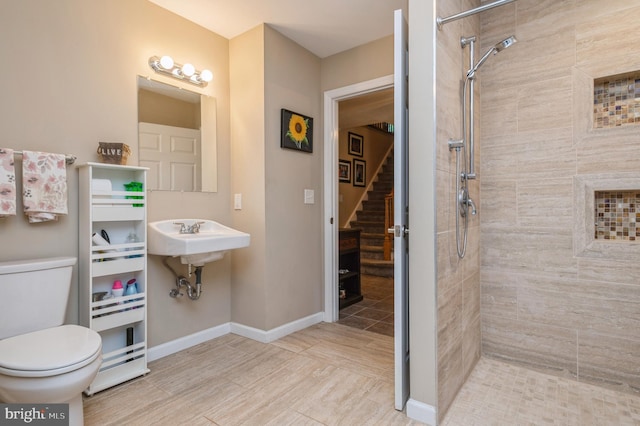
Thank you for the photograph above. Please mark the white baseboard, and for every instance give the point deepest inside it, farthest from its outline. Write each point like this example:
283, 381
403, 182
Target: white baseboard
182, 343
421, 412
186, 342
278, 332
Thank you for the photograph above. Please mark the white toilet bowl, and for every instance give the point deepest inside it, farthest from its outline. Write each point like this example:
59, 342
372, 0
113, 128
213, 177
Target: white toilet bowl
53, 365
41, 360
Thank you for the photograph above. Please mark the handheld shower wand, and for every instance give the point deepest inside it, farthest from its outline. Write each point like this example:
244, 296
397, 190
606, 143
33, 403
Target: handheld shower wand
504, 44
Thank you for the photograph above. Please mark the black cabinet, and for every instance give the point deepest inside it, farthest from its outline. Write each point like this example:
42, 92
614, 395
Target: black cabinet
349, 268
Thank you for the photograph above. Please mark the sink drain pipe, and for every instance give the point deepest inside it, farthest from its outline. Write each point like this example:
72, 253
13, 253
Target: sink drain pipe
182, 281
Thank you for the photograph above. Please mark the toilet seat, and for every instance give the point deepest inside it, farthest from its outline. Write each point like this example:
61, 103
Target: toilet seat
49, 352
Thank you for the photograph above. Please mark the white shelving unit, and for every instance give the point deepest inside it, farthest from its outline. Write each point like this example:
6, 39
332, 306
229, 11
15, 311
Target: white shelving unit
121, 321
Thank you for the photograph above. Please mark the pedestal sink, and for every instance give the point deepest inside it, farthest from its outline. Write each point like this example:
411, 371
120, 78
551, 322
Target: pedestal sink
211, 241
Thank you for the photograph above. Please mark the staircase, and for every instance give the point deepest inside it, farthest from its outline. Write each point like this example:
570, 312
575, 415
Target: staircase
371, 221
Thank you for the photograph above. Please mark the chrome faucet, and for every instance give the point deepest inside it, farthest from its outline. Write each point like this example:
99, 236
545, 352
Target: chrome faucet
183, 227
189, 229
195, 228
465, 202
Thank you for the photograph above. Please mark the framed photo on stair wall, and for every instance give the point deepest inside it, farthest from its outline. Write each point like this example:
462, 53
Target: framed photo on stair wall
359, 173
356, 144
344, 171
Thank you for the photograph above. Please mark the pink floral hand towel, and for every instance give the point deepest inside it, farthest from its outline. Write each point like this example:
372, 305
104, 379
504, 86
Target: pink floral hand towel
44, 185
7, 183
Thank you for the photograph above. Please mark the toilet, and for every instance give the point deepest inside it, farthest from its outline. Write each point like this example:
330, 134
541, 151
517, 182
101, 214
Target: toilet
41, 360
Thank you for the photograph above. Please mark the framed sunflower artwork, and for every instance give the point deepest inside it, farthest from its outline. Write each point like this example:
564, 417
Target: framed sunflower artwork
296, 131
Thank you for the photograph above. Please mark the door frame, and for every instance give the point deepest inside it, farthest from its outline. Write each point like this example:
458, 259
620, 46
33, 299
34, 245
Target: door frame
330, 215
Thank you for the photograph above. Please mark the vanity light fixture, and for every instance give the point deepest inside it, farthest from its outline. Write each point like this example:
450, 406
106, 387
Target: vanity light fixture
186, 72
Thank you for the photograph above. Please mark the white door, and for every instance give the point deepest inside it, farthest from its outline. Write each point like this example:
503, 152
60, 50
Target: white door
173, 156
401, 211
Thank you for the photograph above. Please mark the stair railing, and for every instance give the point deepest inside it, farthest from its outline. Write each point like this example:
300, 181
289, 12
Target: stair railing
388, 224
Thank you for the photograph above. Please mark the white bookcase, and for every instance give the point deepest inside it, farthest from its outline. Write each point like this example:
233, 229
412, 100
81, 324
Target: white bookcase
121, 321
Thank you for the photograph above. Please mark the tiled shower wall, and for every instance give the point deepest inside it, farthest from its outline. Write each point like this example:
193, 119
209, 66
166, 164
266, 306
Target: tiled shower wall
458, 286
543, 303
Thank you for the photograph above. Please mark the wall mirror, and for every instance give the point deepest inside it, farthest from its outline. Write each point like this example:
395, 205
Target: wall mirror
176, 137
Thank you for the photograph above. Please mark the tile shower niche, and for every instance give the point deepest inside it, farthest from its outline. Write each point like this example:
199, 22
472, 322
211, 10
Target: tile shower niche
616, 215
607, 216
616, 100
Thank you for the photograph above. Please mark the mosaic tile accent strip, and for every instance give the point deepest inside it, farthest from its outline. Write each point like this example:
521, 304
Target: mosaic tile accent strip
616, 101
617, 213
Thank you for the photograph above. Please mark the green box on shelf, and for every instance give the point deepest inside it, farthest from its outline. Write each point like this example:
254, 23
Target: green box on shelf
134, 187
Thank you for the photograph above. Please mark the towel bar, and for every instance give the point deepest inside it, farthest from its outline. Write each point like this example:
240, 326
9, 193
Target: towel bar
70, 158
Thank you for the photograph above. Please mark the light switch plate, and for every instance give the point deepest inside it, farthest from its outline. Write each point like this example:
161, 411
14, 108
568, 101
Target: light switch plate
237, 201
309, 196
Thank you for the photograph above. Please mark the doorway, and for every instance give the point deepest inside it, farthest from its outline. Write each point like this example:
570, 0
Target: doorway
365, 211
331, 193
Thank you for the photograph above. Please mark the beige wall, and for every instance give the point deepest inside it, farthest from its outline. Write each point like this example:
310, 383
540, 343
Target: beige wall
248, 171
458, 279
544, 304
71, 84
362, 63
294, 229
376, 146
279, 280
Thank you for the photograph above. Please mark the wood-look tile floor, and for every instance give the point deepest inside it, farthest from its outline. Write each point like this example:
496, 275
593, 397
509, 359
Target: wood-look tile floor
330, 374
375, 311
327, 374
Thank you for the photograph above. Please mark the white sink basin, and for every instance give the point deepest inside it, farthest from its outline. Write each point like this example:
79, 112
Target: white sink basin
209, 244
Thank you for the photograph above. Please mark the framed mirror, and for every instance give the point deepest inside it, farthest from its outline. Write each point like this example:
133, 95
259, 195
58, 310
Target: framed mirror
176, 137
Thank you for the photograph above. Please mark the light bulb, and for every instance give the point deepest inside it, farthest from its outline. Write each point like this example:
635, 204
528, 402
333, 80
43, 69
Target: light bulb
188, 70
166, 62
206, 75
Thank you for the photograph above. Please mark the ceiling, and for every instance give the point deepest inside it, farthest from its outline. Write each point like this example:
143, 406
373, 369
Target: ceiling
376, 107
324, 27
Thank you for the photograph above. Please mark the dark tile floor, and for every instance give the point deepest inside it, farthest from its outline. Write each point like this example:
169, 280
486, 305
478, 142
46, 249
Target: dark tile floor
375, 311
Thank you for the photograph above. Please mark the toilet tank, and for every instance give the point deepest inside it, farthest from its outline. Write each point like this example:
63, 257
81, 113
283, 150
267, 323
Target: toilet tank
34, 294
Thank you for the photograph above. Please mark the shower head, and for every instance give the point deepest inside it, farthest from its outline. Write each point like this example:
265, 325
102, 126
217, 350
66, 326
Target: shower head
507, 42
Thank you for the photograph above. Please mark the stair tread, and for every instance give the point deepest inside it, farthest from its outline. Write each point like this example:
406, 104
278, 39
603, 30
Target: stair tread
378, 262
366, 223
371, 248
